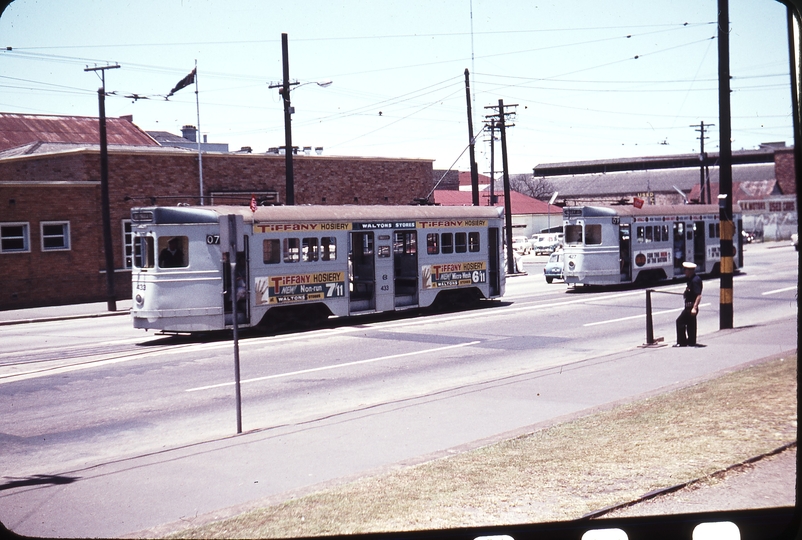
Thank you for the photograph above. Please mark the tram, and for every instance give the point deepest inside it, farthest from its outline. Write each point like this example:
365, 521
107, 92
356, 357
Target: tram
625, 244
306, 263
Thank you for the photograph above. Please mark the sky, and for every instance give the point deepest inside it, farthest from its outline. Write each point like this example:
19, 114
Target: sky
586, 80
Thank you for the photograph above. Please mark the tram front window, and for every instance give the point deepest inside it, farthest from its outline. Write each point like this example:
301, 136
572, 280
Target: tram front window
144, 252
573, 234
173, 252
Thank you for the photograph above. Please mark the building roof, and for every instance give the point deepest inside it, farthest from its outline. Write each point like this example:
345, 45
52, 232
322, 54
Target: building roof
764, 154
18, 130
519, 203
45, 148
652, 180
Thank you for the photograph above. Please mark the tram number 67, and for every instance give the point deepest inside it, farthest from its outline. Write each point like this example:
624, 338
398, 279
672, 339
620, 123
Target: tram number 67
212, 239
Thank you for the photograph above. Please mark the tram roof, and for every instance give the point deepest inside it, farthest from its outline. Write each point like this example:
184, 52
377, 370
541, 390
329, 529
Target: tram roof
266, 214
648, 210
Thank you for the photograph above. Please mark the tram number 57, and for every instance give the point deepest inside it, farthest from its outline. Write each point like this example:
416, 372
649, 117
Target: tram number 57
212, 239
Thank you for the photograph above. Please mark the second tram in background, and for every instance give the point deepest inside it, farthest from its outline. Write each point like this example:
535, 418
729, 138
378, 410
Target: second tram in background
298, 264
624, 244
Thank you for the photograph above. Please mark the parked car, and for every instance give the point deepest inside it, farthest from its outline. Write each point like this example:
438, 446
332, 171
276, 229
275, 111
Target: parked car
521, 244
547, 243
554, 267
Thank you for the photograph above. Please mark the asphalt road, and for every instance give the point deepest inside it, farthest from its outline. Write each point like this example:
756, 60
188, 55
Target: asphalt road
107, 431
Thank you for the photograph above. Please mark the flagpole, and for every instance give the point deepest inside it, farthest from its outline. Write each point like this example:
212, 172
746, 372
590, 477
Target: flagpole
200, 154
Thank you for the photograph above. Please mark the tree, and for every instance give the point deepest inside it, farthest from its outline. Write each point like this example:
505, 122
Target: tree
533, 186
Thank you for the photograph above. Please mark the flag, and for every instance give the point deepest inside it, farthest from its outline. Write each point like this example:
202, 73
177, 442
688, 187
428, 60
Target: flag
637, 202
253, 203
183, 83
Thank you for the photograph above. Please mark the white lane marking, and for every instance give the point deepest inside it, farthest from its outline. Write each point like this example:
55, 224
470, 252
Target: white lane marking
639, 316
336, 366
776, 291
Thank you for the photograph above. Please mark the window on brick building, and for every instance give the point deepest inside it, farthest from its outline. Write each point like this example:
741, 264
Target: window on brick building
14, 238
55, 235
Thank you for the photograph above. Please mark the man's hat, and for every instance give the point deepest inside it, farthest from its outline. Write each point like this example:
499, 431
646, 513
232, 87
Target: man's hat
690, 265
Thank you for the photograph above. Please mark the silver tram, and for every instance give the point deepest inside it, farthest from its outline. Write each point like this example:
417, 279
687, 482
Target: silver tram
626, 244
306, 263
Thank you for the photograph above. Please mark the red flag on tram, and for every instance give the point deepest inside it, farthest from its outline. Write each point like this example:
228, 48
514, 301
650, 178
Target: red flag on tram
637, 202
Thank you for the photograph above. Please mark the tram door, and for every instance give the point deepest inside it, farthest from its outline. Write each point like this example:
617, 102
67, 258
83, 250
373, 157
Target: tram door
384, 272
242, 289
679, 247
625, 251
494, 256
405, 268
362, 271
699, 254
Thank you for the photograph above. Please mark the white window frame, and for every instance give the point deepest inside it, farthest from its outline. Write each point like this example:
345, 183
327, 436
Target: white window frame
26, 237
65, 229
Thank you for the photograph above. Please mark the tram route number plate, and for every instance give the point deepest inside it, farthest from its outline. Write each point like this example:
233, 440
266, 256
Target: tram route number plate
212, 239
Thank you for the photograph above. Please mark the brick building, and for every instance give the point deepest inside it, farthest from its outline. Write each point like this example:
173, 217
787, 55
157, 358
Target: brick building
51, 242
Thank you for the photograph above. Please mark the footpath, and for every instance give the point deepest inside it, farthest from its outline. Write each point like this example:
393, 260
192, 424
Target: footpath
767, 482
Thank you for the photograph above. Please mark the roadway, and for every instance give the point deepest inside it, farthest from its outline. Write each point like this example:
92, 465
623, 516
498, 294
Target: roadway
108, 430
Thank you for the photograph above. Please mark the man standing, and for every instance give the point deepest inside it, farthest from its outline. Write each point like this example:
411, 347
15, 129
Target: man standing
686, 322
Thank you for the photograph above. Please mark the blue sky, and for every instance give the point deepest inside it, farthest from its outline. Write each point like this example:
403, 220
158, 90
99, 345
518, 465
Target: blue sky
591, 80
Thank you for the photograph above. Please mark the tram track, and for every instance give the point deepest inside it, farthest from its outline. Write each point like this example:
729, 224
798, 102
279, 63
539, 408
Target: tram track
15, 367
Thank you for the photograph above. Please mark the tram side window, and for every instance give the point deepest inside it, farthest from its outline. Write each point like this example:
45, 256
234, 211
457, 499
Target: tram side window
473, 242
143, 246
292, 250
328, 248
713, 230
173, 252
447, 245
573, 234
664, 233
432, 244
309, 249
271, 251
461, 242
593, 234
641, 234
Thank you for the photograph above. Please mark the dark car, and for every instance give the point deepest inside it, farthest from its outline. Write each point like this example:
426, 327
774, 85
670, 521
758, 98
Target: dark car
554, 268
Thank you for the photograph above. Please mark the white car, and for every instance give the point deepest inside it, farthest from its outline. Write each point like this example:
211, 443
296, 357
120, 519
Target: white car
521, 244
547, 243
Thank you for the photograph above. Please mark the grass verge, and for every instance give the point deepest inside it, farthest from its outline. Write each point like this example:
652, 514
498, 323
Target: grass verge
558, 473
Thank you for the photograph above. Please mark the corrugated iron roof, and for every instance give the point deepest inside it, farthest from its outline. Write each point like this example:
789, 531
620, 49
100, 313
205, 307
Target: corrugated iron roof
22, 129
44, 148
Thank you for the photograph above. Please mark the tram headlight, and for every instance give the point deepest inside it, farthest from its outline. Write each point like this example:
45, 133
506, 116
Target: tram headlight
139, 300
571, 265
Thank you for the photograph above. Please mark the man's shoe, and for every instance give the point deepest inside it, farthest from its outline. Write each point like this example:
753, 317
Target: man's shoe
679, 345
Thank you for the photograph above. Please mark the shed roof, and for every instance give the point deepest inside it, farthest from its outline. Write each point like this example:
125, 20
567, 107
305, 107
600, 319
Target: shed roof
21, 129
654, 180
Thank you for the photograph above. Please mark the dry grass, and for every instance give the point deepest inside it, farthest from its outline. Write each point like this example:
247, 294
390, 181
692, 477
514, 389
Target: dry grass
558, 473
